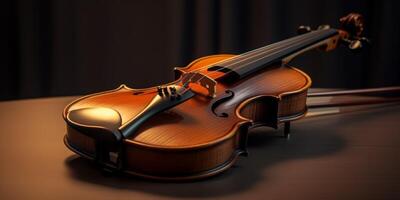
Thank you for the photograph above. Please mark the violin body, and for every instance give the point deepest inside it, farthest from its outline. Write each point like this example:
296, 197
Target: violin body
197, 125
190, 140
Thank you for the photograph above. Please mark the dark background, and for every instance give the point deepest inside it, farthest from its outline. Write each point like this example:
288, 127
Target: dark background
69, 47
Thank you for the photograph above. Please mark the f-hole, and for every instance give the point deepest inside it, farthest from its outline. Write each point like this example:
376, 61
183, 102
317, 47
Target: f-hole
214, 106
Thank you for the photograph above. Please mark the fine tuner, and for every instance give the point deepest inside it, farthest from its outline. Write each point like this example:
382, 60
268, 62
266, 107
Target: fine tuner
197, 125
168, 91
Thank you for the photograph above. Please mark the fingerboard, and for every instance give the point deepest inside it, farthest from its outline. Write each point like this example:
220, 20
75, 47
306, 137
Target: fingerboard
256, 60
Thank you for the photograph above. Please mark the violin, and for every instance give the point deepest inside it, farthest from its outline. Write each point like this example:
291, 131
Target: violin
197, 125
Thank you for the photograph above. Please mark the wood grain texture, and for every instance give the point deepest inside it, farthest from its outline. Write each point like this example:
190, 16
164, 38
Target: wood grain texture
351, 155
189, 140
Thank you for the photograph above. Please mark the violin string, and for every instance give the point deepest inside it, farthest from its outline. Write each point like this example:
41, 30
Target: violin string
261, 49
271, 47
250, 53
278, 45
274, 53
253, 52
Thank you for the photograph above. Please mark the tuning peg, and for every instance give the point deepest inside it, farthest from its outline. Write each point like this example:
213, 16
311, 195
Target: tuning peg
353, 25
303, 29
355, 44
365, 40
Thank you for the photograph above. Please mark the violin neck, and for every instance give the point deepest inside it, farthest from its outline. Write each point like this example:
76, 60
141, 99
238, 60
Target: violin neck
280, 52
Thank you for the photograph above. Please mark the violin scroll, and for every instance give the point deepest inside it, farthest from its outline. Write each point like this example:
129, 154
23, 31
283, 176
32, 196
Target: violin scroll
353, 23
353, 27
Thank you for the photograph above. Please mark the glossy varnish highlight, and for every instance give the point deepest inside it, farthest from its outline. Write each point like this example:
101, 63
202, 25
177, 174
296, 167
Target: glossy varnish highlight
189, 140
152, 133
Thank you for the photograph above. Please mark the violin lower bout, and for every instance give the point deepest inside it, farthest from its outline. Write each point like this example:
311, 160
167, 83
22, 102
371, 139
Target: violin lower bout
167, 163
190, 141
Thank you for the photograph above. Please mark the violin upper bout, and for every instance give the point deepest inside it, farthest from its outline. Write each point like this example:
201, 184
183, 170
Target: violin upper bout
200, 63
284, 101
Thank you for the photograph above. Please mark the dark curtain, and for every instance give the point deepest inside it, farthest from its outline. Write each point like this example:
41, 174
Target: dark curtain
70, 47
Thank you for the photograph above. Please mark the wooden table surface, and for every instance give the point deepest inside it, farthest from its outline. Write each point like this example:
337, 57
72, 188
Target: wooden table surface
352, 155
